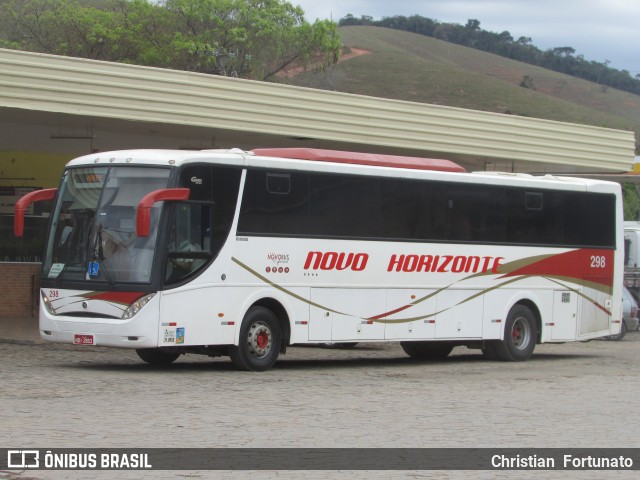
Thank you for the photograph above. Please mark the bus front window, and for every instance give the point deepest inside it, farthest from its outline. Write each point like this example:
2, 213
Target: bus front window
93, 235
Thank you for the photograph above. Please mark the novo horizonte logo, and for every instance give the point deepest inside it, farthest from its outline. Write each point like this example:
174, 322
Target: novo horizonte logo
405, 263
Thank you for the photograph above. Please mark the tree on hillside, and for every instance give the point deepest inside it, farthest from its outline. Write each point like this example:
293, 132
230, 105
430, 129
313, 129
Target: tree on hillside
415, 24
631, 201
62, 27
249, 38
252, 38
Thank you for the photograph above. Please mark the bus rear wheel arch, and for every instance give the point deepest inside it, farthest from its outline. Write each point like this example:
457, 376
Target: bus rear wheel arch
520, 336
260, 340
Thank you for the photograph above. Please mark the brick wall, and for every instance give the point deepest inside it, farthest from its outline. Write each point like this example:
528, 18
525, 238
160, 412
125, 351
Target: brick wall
19, 284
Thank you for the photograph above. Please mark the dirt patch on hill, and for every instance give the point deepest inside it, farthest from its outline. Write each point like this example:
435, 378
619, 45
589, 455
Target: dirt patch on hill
293, 70
353, 52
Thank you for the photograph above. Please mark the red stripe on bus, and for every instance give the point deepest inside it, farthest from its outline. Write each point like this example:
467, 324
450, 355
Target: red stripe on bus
585, 264
125, 298
382, 315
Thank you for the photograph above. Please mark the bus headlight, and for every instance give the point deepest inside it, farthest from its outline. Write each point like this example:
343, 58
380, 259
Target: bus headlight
137, 305
47, 304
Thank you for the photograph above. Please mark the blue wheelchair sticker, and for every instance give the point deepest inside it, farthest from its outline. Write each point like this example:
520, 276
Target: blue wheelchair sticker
94, 269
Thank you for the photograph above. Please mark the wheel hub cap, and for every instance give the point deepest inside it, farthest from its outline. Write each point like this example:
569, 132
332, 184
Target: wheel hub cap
259, 339
520, 334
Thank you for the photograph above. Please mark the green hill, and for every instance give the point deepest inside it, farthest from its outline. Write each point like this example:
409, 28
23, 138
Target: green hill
408, 66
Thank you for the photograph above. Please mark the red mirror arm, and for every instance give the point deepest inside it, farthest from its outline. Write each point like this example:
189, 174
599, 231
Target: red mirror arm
143, 220
24, 202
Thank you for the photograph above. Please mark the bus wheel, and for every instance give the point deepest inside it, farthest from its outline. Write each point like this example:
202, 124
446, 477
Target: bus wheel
520, 336
427, 350
260, 340
157, 356
619, 336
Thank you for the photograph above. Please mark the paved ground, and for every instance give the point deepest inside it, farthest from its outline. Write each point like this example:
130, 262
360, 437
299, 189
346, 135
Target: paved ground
572, 395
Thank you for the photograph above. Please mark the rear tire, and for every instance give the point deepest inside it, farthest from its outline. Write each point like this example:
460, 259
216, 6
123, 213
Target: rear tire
619, 336
260, 341
157, 356
520, 336
427, 350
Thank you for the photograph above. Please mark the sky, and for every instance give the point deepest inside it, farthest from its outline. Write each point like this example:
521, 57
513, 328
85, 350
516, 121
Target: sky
600, 30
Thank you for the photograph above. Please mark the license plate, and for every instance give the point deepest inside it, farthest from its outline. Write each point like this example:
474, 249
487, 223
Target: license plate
82, 339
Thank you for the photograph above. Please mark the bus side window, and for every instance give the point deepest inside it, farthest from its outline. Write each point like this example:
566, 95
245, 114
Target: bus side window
189, 242
534, 218
218, 186
275, 204
200, 226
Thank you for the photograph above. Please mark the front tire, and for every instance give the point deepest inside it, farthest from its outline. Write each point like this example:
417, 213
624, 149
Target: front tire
520, 336
157, 356
260, 341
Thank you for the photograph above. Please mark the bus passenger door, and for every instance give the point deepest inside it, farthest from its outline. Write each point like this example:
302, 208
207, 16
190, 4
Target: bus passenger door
344, 314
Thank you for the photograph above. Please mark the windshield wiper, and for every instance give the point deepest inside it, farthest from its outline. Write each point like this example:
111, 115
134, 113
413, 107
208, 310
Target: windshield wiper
98, 255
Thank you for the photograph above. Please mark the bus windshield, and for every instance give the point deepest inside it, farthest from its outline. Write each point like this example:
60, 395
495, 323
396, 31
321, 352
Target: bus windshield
93, 230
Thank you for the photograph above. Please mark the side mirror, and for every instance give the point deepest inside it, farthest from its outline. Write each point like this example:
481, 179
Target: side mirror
143, 220
23, 204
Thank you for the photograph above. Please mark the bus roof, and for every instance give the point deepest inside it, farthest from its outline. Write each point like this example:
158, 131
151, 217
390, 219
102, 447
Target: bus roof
372, 159
345, 162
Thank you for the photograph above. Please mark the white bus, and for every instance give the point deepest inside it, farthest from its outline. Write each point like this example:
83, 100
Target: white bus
226, 252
